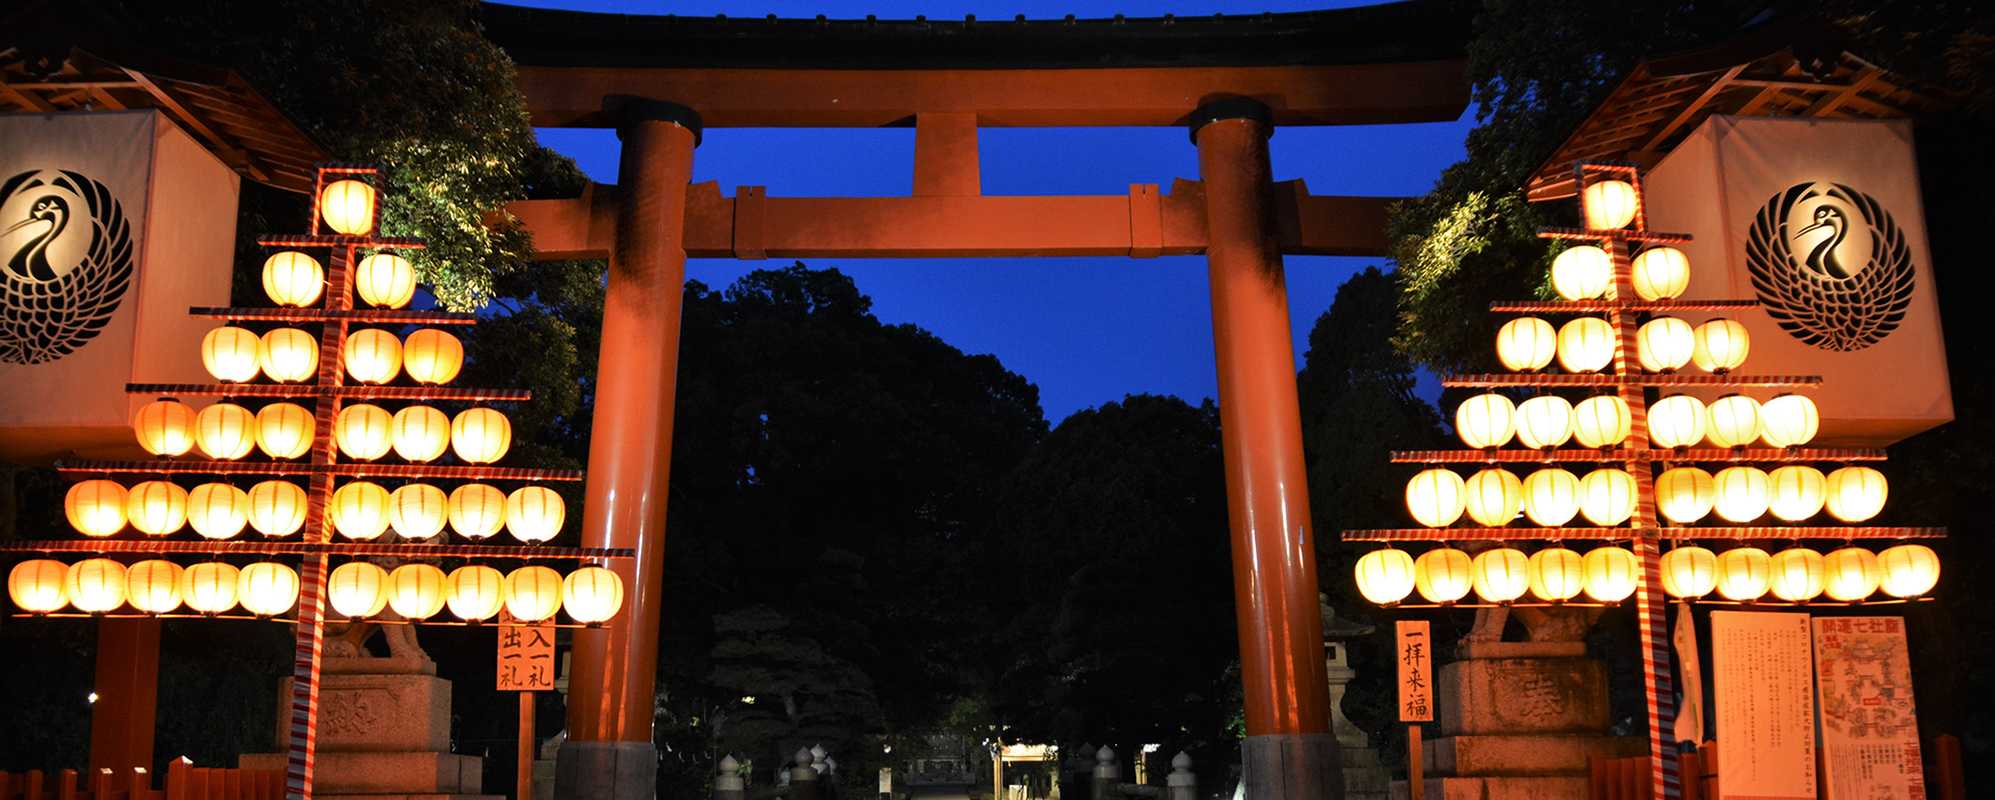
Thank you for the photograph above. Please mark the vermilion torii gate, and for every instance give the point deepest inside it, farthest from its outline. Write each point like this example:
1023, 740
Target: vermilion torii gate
660, 81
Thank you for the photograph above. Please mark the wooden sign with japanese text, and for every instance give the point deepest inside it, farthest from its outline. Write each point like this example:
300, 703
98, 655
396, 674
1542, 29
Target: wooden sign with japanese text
1416, 671
1870, 734
526, 656
1761, 670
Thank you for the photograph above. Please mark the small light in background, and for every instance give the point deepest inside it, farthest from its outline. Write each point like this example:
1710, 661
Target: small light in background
93, 698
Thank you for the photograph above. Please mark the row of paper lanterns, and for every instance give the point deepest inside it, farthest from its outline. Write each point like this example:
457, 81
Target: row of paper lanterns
360, 510
1587, 344
1609, 574
1548, 421
1551, 497
225, 431
288, 355
355, 590
1586, 272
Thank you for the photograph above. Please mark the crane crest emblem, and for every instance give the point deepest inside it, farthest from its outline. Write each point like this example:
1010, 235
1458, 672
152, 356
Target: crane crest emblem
1830, 266
67, 253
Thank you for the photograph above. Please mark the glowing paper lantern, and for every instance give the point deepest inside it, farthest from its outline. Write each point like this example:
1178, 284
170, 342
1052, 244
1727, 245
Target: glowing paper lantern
1850, 574
153, 586
1544, 421
1607, 496
293, 279
481, 435
1735, 421
210, 587
1856, 494
347, 207
1609, 204
432, 357
385, 280
362, 431
1689, 572
1677, 421
284, 430
277, 508
474, 592
156, 508
1485, 420
477, 510
1664, 344
418, 510
1660, 273
95, 507
95, 585
229, 354
1582, 272
1610, 574
267, 589
1685, 494
1796, 492
1492, 497
1385, 576
416, 591
225, 431
1743, 573
372, 356
357, 590
592, 595
1722, 345
1435, 497
36, 586
1601, 421
1526, 344
1908, 570
420, 433
533, 593
288, 355
165, 427
535, 513
1557, 574
1743, 493
1500, 575
1442, 575
1586, 344
217, 511
1551, 497
1789, 420
360, 510
1797, 575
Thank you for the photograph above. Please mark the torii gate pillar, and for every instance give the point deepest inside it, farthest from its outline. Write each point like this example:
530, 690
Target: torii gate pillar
1290, 752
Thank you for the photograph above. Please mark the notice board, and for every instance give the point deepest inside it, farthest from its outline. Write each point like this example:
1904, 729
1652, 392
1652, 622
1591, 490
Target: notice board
1870, 735
1762, 671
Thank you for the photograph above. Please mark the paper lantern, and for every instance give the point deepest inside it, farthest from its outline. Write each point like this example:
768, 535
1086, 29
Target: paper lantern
1908, 570
95, 507
1492, 497
1582, 272
592, 595
277, 508
285, 430
1609, 204
1789, 420
156, 508
474, 592
1734, 421
1677, 421
1689, 572
1685, 494
1743, 573
165, 427
1500, 575
1586, 344
477, 510
1660, 273
1607, 496
153, 586
360, 510
229, 354
1485, 420
1796, 492
1435, 497
210, 587
432, 357
1855, 494
372, 356
1610, 574
416, 591
1722, 345
225, 431
95, 585
1664, 344
36, 586
418, 510
357, 590
288, 355
1797, 575
1850, 574
293, 279
1441, 575
363, 431
1544, 422
1385, 576
347, 207
534, 514
481, 435
533, 593
1743, 493
1551, 497
1526, 344
1602, 420
420, 433
1557, 574
217, 511
385, 280
267, 589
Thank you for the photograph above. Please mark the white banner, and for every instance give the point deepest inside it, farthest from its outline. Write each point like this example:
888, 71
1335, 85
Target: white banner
1870, 733
1760, 669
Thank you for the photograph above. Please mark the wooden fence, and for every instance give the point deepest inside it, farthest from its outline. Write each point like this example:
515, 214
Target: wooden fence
1628, 778
184, 781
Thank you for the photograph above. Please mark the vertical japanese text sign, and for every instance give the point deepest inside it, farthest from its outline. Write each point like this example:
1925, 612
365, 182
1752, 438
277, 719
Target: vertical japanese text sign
526, 656
1416, 672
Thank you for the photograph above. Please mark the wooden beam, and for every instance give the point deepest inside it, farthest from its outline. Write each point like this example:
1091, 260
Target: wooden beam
1828, 105
31, 101
1691, 109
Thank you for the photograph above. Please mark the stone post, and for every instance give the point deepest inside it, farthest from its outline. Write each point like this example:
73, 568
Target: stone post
1181, 784
1107, 776
727, 782
803, 778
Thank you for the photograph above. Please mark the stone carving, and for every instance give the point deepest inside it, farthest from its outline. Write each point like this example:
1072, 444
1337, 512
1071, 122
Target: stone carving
346, 713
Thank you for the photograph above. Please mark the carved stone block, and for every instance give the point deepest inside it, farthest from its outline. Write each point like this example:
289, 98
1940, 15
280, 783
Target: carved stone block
1539, 755
1522, 695
385, 773
1560, 788
376, 713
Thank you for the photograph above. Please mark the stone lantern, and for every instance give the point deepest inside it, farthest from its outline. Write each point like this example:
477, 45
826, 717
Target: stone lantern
1364, 778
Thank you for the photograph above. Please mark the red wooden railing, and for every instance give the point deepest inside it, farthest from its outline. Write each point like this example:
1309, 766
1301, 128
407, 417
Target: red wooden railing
184, 781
